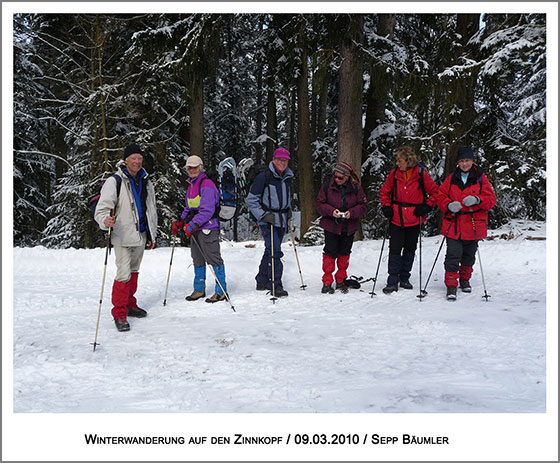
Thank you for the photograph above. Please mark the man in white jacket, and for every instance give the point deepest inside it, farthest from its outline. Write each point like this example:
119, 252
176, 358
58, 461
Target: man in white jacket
128, 206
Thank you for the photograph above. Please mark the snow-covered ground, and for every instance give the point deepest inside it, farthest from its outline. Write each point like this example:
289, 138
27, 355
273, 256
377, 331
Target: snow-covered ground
308, 353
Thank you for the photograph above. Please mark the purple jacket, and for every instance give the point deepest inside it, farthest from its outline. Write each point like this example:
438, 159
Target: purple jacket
349, 197
201, 202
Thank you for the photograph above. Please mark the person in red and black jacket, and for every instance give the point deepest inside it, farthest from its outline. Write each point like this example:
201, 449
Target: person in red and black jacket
341, 202
408, 194
465, 196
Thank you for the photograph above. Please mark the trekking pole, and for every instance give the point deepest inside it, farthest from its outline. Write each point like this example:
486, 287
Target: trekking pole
303, 286
379, 261
95, 344
213, 273
273, 298
169, 272
424, 292
420, 294
486, 295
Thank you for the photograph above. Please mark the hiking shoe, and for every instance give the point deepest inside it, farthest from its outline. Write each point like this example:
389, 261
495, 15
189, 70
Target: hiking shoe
465, 286
405, 284
136, 312
452, 293
195, 295
122, 324
216, 298
280, 292
390, 289
327, 289
261, 287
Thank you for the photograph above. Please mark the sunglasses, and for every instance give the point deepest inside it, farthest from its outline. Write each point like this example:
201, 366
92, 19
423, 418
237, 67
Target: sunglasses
339, 177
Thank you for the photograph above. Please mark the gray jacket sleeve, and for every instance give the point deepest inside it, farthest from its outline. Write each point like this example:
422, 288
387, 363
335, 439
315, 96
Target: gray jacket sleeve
107, 202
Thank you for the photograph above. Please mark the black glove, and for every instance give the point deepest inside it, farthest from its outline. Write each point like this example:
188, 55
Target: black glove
268, 218
422, 209
387, 211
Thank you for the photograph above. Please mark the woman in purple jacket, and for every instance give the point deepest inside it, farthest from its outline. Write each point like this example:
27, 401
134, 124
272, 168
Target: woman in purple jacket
200, 220
341, 202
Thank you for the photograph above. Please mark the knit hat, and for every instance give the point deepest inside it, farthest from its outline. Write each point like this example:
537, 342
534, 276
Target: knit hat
282, 153
343, 168
194, 161
132, 149
465, 152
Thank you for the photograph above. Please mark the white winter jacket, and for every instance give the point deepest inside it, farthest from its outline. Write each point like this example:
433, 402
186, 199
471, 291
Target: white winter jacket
126, 231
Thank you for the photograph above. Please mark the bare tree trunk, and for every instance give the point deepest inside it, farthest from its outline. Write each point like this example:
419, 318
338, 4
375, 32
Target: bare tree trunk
272, 137
350, 97
259, 116
196, 116
292, 118
463, 94
99, 45
305, 162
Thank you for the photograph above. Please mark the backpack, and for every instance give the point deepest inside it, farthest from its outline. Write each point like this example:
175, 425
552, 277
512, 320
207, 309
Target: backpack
421, 169
93, 200
225, 182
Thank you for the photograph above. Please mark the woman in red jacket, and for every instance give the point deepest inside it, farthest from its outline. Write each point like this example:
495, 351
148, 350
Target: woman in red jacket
341, 202
407, 195
465, 196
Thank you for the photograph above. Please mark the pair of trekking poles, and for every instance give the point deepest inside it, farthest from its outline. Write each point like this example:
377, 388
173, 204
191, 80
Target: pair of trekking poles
423, 292
273, 298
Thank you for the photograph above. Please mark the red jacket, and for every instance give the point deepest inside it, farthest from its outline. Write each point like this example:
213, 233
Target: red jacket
404, 195
453, 189
349, 197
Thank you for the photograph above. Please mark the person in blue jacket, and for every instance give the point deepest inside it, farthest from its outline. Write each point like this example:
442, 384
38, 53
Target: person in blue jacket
269, 200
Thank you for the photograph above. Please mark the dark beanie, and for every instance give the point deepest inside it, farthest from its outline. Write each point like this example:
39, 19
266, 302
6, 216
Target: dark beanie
131, 149
465, 152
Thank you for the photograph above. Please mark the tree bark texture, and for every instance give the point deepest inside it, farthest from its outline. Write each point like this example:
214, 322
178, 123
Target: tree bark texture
350, 97
305, 160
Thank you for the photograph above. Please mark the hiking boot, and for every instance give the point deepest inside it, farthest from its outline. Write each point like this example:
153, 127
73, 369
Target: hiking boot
405, 284
327, 289
195, 295
465, 286
390, 289
122, 324
136, 312
280, 292
452, 293
216, 298
261, 287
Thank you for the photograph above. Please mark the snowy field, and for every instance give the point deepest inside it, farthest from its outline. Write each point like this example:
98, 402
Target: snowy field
308, 353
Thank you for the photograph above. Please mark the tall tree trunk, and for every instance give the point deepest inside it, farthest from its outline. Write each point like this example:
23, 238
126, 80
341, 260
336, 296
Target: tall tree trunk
272, 137
463, 92
305, 161
99, 45
196, 116
350, 97
259, 115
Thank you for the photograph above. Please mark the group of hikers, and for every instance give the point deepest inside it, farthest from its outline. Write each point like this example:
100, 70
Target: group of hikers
406, 197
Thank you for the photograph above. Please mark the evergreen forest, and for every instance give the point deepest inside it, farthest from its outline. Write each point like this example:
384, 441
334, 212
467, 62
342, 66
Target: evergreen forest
327, 87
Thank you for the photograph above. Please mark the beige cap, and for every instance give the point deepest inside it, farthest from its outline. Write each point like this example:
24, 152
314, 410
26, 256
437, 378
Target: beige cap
194, 161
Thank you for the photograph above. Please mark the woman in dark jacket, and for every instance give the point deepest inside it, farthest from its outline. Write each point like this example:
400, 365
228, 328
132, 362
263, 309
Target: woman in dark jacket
407, 195
465, 196
341, 202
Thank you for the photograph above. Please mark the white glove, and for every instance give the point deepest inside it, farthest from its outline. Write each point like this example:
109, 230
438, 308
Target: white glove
471, 200
454, 207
